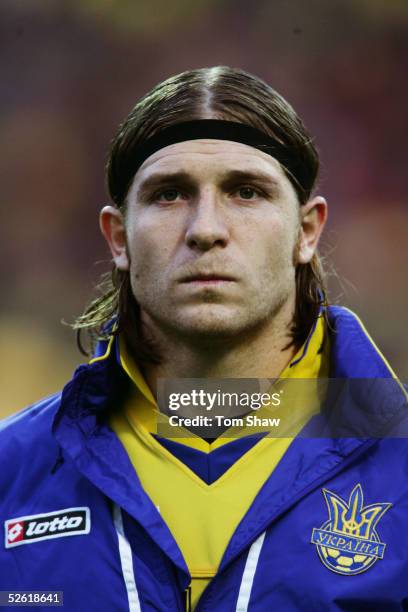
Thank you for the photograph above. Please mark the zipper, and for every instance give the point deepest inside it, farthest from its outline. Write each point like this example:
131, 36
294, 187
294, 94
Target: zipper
187, 594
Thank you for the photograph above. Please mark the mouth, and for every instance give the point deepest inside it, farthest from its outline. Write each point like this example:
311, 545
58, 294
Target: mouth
207, 279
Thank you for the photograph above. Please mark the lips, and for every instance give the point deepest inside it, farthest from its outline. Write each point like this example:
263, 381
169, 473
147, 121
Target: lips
207, 277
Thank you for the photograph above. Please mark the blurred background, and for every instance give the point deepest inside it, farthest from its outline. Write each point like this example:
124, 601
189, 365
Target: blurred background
72, 70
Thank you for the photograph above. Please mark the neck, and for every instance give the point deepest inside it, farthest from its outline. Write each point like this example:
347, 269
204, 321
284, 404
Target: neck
261, 353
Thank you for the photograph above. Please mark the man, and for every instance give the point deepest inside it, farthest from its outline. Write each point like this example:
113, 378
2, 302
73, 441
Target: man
213, 231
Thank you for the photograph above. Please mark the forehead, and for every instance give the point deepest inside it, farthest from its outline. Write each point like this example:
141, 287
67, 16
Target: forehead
209, 156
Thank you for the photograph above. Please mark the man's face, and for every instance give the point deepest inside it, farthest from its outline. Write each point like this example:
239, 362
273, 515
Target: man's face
211, 229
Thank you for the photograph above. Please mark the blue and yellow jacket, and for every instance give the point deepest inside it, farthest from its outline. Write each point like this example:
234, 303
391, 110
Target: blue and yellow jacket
327, 531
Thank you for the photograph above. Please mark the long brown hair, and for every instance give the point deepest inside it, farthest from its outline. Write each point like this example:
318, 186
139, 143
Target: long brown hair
217, 93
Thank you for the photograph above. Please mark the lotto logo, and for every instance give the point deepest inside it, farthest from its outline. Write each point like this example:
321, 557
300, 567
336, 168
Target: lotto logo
27, 529
15, 532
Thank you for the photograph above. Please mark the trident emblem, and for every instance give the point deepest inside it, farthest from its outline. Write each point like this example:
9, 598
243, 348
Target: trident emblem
348, 543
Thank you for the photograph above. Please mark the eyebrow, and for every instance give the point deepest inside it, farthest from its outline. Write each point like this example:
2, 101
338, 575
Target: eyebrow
243, 176
228, 179
160, 179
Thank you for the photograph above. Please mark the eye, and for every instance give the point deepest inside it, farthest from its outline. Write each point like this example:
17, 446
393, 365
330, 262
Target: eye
168, 195
248, 193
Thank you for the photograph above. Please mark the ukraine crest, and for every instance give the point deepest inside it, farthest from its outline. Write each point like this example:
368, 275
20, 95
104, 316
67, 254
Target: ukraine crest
348, 543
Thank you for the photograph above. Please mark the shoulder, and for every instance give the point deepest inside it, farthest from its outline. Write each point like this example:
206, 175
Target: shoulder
36, 415
26, 439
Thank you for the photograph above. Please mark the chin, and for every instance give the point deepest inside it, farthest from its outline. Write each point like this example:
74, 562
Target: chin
214, 323
210, 326
210, 329
211, 323
206, 320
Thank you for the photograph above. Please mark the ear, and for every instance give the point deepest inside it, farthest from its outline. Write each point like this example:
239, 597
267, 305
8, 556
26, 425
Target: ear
112, 226
313, 219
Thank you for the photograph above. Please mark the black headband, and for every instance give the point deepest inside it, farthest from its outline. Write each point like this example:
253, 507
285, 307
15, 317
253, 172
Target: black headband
289, 158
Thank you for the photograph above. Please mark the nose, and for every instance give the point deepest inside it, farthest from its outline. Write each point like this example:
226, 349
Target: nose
206, 225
